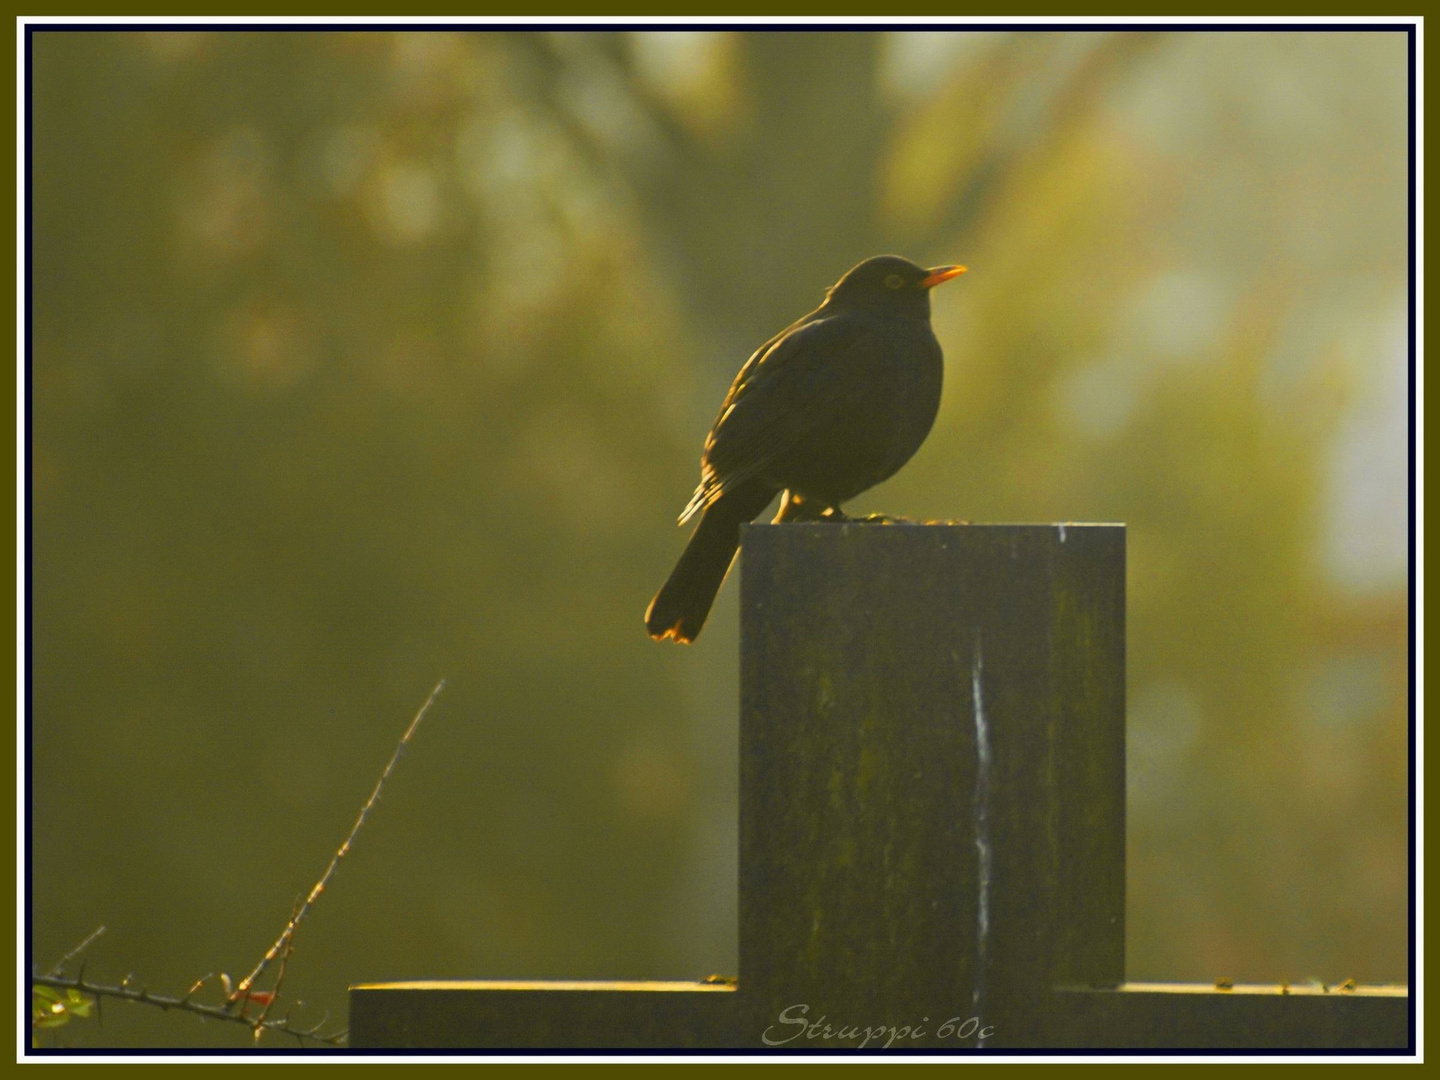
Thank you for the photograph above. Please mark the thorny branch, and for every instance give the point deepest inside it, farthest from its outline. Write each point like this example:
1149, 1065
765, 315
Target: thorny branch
239, 999
279, 979
210, 1012
59, 966
282, 943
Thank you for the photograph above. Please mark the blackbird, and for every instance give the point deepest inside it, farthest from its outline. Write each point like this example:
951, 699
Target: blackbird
830, 406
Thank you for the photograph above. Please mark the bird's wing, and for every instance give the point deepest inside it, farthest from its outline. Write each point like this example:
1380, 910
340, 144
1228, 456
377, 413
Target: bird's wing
784, 389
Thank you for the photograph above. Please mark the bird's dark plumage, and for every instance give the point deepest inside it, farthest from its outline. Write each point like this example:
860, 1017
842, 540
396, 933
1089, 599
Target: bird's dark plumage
830, 406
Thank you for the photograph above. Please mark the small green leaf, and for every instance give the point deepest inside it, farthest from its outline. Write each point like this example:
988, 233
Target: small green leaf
46, 992
56, 1016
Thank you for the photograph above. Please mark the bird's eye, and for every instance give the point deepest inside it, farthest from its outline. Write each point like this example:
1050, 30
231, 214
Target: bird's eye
894, 281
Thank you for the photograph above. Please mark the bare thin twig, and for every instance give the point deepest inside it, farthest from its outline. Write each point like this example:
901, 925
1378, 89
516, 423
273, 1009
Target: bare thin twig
76, 951
282, 942
209, 1012
195, 986
279, 979
235, 1007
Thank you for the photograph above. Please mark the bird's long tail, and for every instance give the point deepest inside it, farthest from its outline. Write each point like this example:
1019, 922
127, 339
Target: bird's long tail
680, 607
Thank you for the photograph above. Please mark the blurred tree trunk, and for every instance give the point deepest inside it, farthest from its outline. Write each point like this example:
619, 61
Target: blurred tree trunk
747, 220
795, 192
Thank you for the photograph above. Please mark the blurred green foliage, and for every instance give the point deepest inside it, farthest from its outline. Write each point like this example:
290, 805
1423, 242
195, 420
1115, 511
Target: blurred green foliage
363, 358
51, 1008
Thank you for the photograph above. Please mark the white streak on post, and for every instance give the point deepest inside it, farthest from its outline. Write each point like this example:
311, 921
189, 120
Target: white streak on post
1062, 532
982, 829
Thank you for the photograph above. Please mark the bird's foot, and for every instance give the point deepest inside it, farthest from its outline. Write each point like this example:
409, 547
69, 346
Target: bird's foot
882, 519
797, 508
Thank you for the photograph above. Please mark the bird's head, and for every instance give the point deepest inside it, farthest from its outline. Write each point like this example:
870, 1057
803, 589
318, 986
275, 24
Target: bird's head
890, 282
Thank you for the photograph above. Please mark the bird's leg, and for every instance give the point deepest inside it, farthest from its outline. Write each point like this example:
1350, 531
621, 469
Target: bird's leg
795, 507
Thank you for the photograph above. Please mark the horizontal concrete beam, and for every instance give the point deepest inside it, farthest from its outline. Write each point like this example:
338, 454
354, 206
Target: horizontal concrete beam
1183, 1016
496, 1015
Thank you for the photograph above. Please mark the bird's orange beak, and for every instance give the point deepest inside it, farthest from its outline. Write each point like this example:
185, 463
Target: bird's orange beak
939, 274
